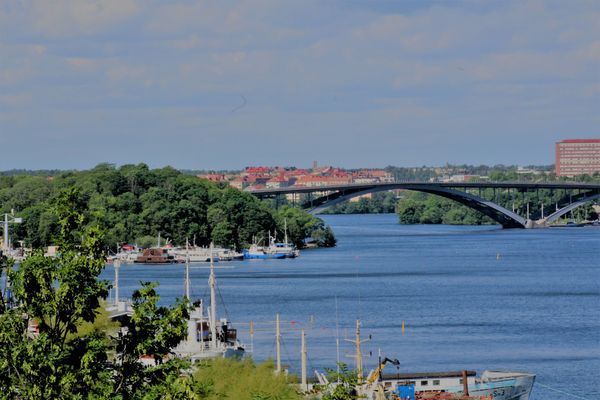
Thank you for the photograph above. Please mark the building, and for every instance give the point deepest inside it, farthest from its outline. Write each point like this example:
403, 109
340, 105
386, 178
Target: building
316, 181
278, 182
577, 157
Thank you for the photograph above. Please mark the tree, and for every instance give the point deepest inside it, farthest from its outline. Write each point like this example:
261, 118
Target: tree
343, 384
410, 211
57, 295
62, 358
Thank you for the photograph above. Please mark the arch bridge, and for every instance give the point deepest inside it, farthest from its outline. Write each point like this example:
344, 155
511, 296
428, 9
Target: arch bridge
575, 194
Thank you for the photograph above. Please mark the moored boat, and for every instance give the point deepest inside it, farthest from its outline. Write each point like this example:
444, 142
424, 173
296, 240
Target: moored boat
450, 385
275, 250
491, 385
155, 256
207, 336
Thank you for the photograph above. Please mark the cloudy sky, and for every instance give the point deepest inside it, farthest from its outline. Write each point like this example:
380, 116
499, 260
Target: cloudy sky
223, 84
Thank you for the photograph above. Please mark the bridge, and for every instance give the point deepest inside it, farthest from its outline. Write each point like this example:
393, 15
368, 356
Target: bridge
575, 194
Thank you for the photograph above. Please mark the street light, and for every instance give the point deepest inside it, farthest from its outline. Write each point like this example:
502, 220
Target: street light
9, 219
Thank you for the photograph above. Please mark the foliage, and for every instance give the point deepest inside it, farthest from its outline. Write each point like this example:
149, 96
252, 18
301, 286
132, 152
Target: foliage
342, 385
301, 225
420, 208
136, 203
243, 380
377, 203
58, 294
66, 357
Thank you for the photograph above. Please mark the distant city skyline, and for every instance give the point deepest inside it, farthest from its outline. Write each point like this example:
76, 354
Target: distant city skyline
224, 85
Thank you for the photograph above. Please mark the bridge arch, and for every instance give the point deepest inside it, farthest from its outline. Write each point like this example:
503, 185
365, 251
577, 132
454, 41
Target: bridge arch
503, 216
559, 213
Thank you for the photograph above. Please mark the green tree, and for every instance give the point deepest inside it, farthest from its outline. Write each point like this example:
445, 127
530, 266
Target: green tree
343, 384
243, 380
57, 294
67, 357
410, 211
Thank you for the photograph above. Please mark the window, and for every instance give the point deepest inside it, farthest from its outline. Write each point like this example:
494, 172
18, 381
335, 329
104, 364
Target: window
460, 381
436, 382
424, 383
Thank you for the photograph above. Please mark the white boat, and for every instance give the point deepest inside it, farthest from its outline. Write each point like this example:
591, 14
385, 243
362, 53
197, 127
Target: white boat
208, 336
127, 254
202, 254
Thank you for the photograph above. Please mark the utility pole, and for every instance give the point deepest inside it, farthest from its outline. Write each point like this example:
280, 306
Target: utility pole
358, 355
303, 355
277, 345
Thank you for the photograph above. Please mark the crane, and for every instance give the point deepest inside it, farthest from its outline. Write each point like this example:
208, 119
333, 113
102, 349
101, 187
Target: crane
375, 374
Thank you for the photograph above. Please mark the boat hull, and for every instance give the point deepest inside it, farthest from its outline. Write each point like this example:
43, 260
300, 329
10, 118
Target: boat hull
263, 256
518, 388
491, 386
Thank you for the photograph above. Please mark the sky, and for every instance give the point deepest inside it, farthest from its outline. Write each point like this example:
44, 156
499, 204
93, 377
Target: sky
227, 84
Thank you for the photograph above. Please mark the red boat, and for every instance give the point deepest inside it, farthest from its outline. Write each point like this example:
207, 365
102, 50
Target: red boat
155, 256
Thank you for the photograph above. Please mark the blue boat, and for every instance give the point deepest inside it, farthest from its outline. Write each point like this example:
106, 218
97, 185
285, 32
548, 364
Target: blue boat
274, 250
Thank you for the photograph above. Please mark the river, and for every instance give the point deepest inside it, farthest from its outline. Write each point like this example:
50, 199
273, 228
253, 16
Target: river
470, 298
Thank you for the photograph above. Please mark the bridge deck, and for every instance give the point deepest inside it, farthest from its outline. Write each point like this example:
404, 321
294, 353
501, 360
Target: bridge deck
447, 185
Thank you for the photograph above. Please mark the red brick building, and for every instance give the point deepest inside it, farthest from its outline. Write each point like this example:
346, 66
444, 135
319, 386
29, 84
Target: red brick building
577, 157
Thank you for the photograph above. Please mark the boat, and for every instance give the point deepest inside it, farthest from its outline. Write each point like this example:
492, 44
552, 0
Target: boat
155, 255
262, 252
203, 254
491, 385
275, 250
448, 385
127, 254
193, 254
207, 336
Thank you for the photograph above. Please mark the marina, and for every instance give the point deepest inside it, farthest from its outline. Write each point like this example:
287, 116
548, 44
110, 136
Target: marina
533, 308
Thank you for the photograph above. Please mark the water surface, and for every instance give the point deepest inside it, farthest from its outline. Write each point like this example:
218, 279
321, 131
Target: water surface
471, 298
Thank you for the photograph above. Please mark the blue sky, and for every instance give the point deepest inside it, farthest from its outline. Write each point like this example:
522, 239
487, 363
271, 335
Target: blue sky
223, 84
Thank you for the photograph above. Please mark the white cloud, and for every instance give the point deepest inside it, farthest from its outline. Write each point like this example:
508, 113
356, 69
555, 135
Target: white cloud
61, 18
307, 69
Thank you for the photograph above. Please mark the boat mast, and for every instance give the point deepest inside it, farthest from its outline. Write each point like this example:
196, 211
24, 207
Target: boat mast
187, 271
212, 282
117, 264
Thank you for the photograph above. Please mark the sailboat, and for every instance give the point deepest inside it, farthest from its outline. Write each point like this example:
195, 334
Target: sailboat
207, 336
